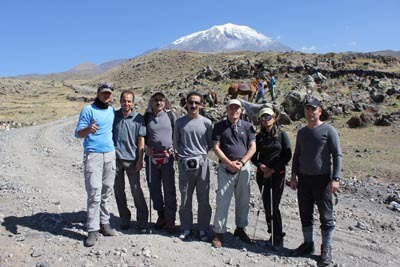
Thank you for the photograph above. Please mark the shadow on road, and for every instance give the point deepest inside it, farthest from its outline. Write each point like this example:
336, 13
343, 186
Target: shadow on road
65, 224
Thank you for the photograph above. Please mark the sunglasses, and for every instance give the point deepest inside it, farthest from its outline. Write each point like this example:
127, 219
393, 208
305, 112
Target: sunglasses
158, 99
266, 118
194, 102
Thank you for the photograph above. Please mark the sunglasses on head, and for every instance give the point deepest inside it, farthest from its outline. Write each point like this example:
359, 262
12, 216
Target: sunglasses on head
194, 102
266, 118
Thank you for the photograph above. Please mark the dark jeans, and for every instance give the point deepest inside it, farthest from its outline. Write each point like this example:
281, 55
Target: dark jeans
278, 183
163, 181
314, 189
123, 166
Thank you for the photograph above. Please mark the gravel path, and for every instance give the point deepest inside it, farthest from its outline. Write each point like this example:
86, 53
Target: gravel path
42, 216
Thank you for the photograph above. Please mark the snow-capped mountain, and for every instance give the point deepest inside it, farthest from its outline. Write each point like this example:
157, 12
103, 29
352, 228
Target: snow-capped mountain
228, 37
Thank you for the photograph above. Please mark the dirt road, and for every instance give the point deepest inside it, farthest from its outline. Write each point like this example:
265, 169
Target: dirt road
43, 203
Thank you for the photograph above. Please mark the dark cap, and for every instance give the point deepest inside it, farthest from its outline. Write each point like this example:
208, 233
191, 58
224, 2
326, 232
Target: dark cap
312, 101
105, 87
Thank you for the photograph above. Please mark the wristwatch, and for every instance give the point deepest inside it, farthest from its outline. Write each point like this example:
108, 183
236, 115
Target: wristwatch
241, 161
337, 179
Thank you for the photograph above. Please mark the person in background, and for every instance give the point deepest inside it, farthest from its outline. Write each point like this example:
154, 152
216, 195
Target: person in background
272, 88
95, 126
234, 144
192, 141
160, 122
273, 153
260, 93
316, 171
129, 131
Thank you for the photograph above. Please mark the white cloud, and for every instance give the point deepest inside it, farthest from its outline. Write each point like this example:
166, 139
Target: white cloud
352, 43
309, 48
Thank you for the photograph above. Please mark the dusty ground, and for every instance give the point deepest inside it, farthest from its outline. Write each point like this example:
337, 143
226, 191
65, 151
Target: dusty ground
42, 210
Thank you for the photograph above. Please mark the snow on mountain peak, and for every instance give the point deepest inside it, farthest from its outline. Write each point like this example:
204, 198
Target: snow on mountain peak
226, 37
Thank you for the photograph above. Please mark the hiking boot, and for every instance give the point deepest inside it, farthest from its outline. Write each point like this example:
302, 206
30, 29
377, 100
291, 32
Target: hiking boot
91, 239
203, 235
278, 241
170, 227
184, 235
278, 244
106, 230
239, 232
306, 248
326, 254
217, 241
124, 226
160, 223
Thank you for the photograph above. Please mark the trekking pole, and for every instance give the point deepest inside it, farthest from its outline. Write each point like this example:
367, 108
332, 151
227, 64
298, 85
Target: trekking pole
149, 184
272, 211
258, 211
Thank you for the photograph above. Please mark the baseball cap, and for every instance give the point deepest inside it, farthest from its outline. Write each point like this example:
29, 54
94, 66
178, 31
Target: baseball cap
105, 87
234, 102
158, 93
264, 111
312, 101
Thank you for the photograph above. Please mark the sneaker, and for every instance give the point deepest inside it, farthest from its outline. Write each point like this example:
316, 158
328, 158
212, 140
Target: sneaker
106, 230
239, 232
326, 254
203, 235
184, 235
143, 230
170, 227
91, 239
217, 241
306, 248
160, 223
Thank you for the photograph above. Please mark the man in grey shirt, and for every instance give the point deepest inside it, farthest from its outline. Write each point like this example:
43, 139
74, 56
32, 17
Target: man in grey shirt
192, 141
160, 171
317, 162
129, 131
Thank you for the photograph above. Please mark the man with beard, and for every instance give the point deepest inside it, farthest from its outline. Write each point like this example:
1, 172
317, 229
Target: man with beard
129, 130
160, 171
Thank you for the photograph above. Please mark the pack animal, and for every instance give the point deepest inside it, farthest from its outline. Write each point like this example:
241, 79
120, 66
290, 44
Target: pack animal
243, 89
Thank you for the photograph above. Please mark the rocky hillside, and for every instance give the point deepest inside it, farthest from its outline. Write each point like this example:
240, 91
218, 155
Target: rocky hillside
355, 83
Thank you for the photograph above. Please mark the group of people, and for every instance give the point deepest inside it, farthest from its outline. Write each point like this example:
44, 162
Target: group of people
119, 142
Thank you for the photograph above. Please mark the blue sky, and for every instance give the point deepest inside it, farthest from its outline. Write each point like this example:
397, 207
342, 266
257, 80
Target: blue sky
47, 36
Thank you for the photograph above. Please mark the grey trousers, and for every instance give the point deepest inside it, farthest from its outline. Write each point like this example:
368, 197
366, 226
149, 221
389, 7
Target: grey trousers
142, 213
189, 180
229, 184
99, 172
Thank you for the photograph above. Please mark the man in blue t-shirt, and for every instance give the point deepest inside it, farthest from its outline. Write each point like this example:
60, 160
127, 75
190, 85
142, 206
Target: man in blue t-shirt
95, 126
234, 143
